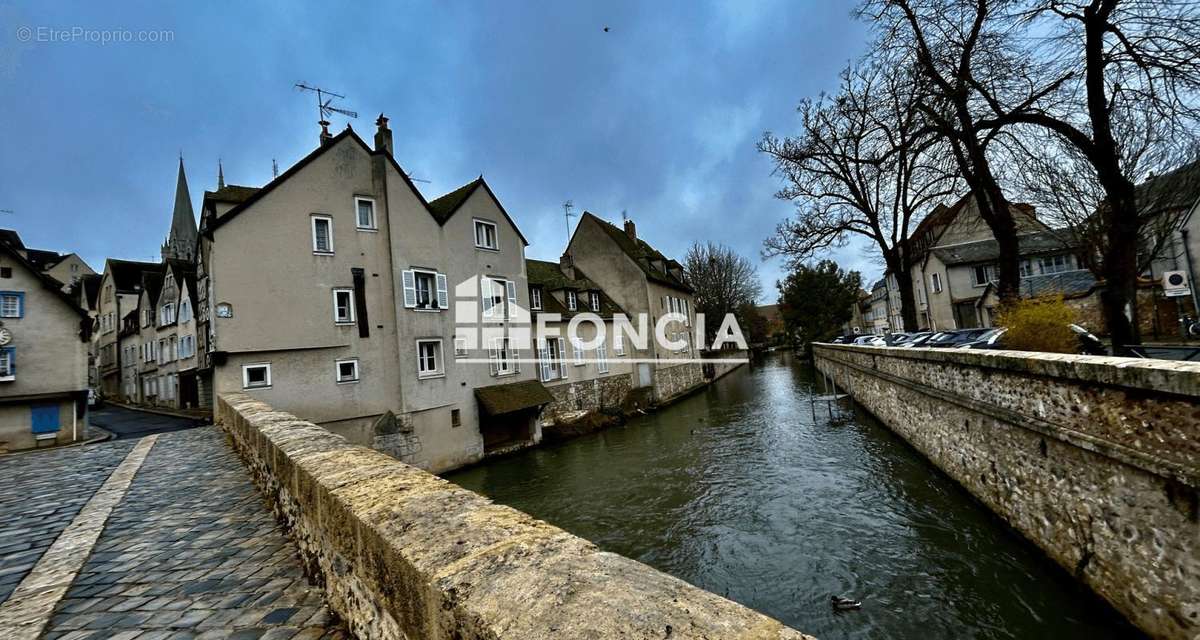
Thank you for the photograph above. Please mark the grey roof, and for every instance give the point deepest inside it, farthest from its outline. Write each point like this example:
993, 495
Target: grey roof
1067, 283
879, 284
1178, 189
1031, 244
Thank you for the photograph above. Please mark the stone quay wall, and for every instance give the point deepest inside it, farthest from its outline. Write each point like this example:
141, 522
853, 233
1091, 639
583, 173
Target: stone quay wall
401, 553
1096, 460
595, 394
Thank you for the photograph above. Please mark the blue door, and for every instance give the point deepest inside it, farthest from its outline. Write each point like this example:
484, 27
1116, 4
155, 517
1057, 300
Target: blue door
44, 418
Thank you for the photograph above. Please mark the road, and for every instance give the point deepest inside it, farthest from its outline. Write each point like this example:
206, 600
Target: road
128, 423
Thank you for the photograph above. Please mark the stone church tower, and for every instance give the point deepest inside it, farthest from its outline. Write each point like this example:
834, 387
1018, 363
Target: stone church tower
181, 241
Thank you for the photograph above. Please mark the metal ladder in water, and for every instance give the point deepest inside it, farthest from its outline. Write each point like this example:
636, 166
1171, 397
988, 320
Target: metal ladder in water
829, 397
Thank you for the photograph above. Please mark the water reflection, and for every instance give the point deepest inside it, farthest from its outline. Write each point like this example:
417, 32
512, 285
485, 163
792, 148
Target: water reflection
740, 491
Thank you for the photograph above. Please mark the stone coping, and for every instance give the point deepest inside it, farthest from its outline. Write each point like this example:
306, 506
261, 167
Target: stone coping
405, 554
1163, 376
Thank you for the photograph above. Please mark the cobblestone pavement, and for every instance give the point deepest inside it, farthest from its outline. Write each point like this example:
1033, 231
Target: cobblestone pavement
40, 493
190, 552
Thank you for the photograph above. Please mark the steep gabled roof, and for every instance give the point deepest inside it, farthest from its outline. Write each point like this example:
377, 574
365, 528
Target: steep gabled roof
443, 208
1029, 244
11, 238
231, 193
89, 286
43, 259
1175, 190
152, 284
642, 254
550, 277
127, 274
49, 283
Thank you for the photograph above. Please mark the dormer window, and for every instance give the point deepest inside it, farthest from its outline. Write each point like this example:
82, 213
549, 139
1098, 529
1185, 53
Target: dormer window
595, 300
535, 298
572, 303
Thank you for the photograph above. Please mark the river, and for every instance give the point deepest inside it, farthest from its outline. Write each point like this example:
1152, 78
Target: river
738, 490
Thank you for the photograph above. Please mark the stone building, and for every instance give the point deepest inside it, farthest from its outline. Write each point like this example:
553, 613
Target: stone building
120, 290
645, 283
580, 379
43, 357
337, 292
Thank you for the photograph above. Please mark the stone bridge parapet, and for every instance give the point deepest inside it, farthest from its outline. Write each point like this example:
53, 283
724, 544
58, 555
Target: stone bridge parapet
1095, 460
402, 553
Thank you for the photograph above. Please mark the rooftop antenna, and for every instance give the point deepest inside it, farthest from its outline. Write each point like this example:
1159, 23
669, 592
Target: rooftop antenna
410, 177
324, 98
567, 215
274, 168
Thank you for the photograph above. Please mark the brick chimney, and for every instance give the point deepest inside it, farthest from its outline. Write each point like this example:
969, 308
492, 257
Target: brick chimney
383, 135
630, 229
567, 265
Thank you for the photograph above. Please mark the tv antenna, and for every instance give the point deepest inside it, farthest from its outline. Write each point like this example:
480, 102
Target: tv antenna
567, 215
324, 98
7, 211
274, 168
410, 177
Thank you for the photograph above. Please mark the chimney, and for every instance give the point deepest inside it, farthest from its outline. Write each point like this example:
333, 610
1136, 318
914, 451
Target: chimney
567, 265
383, 135
630, 229
325, 135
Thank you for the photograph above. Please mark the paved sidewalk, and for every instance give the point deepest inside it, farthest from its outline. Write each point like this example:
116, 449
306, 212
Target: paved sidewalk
191, 551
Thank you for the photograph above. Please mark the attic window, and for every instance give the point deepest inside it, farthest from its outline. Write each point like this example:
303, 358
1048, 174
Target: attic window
571, 301
595, 301
5, 272
365, 213
485, 235
535, 298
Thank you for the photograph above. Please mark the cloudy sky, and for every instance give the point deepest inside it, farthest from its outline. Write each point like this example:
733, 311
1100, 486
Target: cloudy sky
658, 117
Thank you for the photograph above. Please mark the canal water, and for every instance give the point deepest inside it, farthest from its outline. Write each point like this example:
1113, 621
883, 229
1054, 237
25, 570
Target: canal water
738, 490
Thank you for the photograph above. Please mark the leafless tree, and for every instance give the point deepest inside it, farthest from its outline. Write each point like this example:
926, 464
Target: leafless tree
866, 164
724, 282
951, 43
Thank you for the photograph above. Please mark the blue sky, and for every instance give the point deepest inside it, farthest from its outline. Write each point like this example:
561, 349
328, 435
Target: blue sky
657, 117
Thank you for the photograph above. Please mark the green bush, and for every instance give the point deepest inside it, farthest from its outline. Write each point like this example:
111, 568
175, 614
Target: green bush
1038, 324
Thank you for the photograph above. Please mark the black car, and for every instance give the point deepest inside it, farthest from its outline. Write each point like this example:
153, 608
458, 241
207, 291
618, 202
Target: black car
956, 338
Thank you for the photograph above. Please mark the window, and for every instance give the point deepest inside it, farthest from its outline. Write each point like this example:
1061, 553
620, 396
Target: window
322, 232
343, 306
429, 358
12, 304
1055, 264
485, 235
8, 363
578, 352
618, 342
983, 274
347, 370
935, 281
460, 347
174, 349
595, 301
365, 212
455, 418
601, 359
185, 311
572, 302
493, 292
425, 290
5, 272
187, 346
551, 359
1026, 268
504, 357
166, 314
535, 298
256, 376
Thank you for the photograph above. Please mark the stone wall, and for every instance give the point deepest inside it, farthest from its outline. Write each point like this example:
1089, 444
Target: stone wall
401, 553
1095, 460
588, 395
675, 380
723, 362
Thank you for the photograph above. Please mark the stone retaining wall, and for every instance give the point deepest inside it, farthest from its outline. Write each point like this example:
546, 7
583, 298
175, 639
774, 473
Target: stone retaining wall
1096, 460
402, 553
588, 395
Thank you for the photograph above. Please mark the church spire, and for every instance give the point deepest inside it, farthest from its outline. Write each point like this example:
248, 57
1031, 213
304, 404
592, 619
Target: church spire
220, 175
181, 242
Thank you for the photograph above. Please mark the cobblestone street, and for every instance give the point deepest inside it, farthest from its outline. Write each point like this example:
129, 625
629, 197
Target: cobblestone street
190, 551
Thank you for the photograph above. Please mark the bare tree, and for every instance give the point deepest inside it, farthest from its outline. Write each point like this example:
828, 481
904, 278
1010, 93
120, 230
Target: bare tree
1116, 84
723, 282
951, 43
866, 164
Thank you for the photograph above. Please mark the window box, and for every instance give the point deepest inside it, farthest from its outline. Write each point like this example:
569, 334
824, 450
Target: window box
346, 371
429, 359
256, 376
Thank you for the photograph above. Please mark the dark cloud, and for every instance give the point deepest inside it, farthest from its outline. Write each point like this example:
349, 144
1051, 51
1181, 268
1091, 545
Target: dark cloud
657, 116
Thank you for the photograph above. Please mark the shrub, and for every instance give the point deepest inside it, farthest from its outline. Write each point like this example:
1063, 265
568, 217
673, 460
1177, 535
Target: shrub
1038, 324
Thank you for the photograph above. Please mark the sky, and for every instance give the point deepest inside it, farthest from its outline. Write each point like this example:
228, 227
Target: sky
657, 117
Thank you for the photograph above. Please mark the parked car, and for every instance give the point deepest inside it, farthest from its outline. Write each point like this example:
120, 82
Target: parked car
94, 399
1089, 344
955, 338
915, 340
842, 340
870, 341
988, 340
893, 339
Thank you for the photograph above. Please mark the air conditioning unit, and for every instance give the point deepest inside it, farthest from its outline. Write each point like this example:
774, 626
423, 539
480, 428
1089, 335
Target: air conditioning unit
1175, 284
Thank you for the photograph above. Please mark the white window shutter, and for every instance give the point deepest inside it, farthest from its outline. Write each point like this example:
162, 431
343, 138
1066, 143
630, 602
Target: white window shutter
494, 357
544, 361
409, 280
485, 295
442, 292
515, 355
512, 296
